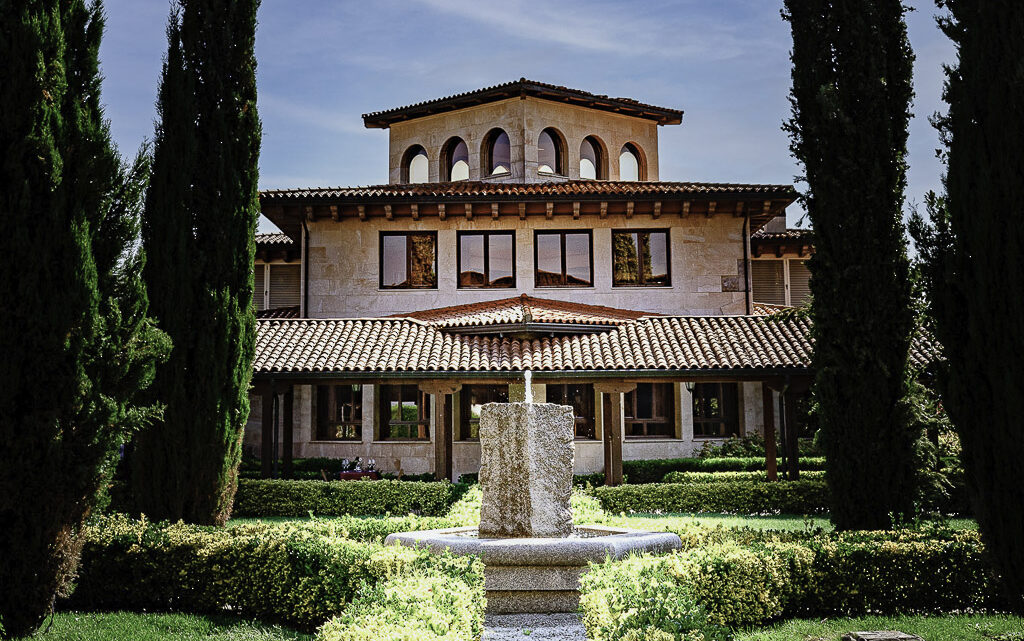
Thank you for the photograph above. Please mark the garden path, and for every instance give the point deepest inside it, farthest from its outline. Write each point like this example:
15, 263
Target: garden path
533, 627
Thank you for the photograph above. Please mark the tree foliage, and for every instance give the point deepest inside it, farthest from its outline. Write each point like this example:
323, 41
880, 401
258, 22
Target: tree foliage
199, 223
972, 256
76, 341
851, 96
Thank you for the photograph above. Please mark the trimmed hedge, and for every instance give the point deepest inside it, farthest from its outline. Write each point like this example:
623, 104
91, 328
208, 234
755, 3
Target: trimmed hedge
436, 606
373, 529
830, 575
736, 497
284, 574
714, 477
654, 470
257, 498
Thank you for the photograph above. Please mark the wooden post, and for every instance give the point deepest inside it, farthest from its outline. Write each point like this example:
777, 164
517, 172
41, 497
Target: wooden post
612, 410
771, 455
443, 436
792, 437
784, 431
286, 454
267, 433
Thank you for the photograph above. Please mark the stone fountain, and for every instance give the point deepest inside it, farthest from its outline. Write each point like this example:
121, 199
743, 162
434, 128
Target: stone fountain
533, 555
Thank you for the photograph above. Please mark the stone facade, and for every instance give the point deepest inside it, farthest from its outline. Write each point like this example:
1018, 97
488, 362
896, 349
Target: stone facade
344, 264
523, 119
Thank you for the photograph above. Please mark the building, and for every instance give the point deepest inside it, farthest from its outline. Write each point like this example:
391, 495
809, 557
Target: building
523, 227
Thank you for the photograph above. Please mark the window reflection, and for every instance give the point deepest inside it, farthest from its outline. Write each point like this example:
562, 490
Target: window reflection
486, 259
549, 153
456, 159
563, 259
589, 159
500, 154
629, 163
408, 260
640, 258
415, 165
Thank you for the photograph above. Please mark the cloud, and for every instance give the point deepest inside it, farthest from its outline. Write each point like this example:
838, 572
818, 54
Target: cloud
609, 28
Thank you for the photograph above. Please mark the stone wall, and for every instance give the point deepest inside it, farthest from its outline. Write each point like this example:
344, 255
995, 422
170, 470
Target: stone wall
523, 119
706, 266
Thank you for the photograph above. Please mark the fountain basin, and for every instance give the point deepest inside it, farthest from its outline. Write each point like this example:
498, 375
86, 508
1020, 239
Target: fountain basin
525, 575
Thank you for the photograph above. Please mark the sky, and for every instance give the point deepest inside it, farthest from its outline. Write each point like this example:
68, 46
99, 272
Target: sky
323, 63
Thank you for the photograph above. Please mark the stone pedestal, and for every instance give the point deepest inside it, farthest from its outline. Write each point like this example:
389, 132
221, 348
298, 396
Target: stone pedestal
526, 465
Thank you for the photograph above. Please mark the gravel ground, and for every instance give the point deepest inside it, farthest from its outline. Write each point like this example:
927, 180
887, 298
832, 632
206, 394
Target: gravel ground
533, 627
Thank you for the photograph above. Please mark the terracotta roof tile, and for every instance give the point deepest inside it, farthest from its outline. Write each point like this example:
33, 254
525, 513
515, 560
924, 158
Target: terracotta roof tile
789, 234
523, 309
274, 241
629, 106
476, 189
279, 312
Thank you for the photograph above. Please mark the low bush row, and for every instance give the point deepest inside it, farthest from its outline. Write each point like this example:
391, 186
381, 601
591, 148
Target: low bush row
829, 575
337, 498
654, 470
373, 529
421, 606
714, 477
736, 497
277, 573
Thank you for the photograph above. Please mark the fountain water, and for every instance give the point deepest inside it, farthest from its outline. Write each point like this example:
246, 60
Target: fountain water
532, 555
528, 391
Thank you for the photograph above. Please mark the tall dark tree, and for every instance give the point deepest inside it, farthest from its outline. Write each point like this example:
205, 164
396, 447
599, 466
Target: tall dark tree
77, 345
851, 96
199, 224
973, 258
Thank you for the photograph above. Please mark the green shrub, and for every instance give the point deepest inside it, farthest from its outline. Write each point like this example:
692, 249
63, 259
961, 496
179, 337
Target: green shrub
715, 477
823, 576
737, 497
277, 573
654, 470
636, 599
365, 528
337, 498
445, 604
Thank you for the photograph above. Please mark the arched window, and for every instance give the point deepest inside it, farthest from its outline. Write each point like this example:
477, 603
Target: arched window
549, 152
498, 153
591, 159
415, 165
630, 163
455, 160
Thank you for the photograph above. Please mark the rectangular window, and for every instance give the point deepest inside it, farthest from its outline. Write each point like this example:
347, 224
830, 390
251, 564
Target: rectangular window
259, 289
650, 411
404, 413
408, 260
563, 259
716, 410
487, 259
473, 398
799, 282
769, 281
640, 259
581, 398
339, 412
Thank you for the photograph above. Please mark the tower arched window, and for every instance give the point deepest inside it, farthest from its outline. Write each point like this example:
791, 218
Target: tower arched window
549, 152
631, 166
498, 153
455, 160
592, 163
415, 165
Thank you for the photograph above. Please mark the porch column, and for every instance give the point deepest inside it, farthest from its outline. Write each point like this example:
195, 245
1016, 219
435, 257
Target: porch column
612, 406
288, 429
771, 456
267, 429
792, 436
439, 390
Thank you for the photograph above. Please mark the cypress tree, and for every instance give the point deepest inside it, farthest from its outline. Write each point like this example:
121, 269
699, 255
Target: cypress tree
973, 257
77, 345
851, 95
198, 231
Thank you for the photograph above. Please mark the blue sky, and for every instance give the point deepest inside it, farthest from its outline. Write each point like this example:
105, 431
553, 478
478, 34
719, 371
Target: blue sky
323, 63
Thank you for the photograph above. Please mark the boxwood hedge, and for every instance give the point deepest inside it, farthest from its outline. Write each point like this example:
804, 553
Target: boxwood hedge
829, 575
713, 477
338, 498
737, 497
654, 470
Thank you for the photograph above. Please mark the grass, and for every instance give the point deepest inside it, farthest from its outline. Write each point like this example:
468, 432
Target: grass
947, 627
127, 626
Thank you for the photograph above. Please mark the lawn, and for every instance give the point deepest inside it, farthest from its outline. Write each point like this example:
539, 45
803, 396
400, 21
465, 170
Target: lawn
126, 626
931, 628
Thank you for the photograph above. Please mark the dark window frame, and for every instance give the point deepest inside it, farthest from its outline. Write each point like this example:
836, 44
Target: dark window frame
730, 414
422, 423
600, 157
558, 146
447, 156
325, 393
487, 256
466, 421
408, 265
588, 421
407, 158
668, 257
489, 142
564, 276
629, 405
